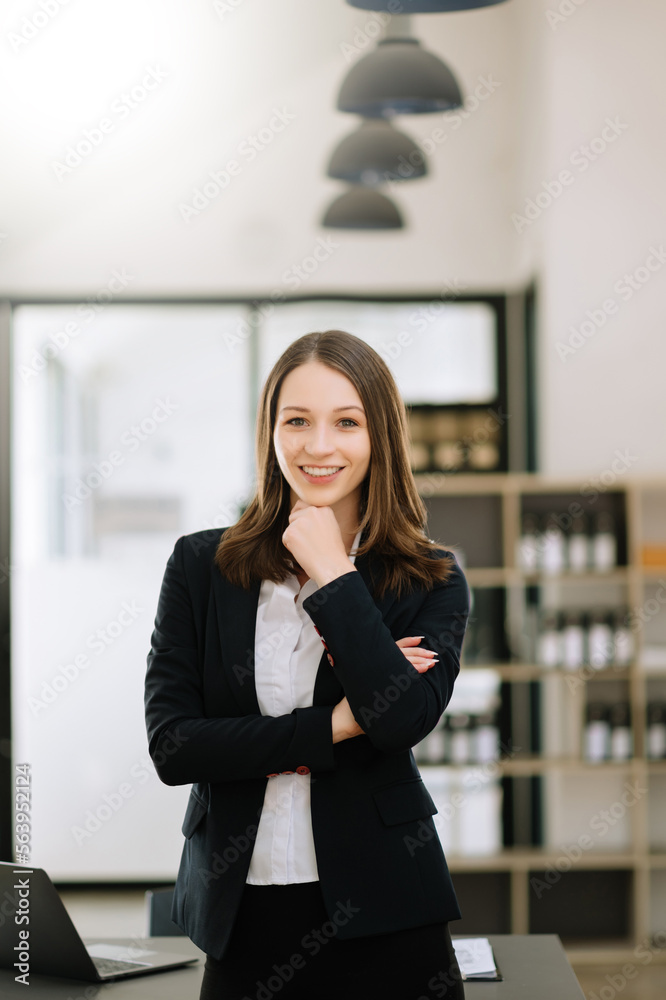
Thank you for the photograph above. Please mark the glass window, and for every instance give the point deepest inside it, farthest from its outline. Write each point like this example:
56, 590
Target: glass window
130, 428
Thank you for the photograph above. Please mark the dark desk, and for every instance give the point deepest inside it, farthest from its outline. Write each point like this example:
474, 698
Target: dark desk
534, 968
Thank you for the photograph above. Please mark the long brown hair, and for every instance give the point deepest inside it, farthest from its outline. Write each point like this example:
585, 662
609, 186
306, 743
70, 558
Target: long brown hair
392, 514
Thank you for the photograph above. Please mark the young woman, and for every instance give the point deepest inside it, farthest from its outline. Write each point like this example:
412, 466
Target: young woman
311, 865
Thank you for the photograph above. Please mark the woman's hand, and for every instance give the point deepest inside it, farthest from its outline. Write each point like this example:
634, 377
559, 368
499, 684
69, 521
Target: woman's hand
344, 724
420, 658
313, 538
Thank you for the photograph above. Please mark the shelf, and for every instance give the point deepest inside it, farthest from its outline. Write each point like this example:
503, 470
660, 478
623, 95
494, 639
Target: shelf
526, 859
538, 711
498, 576
533, 672
516, 766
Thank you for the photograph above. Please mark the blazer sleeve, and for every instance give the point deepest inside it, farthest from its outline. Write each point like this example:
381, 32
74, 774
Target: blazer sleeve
186, 744
394, 704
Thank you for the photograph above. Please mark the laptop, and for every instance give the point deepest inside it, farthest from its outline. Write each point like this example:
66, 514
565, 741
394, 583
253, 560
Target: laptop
37, 935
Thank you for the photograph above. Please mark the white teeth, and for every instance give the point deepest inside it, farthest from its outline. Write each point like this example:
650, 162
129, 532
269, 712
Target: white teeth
312, 471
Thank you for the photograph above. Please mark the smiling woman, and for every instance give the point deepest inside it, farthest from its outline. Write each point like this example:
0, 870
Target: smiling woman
309, 834
317, 745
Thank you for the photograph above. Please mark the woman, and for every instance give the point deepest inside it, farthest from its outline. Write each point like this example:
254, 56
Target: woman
311, 865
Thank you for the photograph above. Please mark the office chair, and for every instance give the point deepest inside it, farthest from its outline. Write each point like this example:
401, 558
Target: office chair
158, 913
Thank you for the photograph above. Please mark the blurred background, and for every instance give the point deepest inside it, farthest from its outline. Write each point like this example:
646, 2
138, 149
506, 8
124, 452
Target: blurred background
168, 224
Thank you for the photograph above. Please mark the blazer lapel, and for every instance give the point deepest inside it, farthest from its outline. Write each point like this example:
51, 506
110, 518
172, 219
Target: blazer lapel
236, 620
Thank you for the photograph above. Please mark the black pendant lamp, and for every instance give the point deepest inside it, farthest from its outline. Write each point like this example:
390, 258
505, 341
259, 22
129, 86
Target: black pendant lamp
375, 153
424, 6
399, 78
362, 208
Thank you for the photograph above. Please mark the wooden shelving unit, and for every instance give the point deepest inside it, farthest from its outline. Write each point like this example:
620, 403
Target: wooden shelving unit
639, 862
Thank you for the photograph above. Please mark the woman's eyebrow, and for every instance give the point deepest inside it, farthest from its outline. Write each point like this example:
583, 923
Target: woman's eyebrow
338, 409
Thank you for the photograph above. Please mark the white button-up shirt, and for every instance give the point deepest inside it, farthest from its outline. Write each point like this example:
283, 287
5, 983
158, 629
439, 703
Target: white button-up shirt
286, 657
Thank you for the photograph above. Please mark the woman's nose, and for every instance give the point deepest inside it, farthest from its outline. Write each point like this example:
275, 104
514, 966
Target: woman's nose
320, 440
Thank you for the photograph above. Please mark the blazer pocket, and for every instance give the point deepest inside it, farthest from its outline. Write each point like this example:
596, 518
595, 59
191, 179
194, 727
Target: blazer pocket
405, 801
197, 807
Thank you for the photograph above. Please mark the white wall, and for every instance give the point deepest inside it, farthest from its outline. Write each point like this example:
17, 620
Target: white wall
603, 62
558, 82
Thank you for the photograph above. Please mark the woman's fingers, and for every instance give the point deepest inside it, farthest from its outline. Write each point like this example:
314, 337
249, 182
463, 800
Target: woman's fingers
409, 640
420, 658
421, 663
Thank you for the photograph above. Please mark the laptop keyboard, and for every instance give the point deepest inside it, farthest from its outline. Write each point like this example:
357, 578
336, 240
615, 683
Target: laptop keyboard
112, 966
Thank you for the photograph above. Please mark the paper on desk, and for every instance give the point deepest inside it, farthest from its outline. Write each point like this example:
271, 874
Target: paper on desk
475, 957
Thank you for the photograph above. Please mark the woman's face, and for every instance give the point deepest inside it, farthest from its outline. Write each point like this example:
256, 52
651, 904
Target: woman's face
320, 425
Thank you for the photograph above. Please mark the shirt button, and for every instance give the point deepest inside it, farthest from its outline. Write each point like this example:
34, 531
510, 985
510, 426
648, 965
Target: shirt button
286, 772
302, 769
273, 775
330, 659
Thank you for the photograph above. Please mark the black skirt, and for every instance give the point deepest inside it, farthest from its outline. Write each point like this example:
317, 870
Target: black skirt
284, 944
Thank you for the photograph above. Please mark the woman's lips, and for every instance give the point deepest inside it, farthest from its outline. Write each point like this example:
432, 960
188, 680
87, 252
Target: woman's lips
320, 479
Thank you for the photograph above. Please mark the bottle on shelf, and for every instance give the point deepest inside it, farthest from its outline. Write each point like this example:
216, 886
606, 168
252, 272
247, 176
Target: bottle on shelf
553, 547
604, 543
578, 546
621, 740
527, 556
656, 730
460, 742
435, 751
573, 641
485, 738
623, 640
600, 640
549, 642
596, 743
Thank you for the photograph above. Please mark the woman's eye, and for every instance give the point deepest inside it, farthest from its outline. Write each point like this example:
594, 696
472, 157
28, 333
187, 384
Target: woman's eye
344, 420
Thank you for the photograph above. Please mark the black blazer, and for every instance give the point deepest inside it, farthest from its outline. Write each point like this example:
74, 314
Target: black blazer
379, 858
